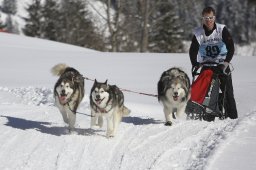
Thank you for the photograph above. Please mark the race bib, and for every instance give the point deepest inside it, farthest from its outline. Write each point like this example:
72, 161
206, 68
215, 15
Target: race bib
211, 48
212, 52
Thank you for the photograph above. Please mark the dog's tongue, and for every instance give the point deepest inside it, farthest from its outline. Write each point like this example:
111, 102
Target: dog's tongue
62, 98
98, 101
175, 98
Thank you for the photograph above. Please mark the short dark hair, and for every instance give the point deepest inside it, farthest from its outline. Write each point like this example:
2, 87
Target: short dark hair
207, 10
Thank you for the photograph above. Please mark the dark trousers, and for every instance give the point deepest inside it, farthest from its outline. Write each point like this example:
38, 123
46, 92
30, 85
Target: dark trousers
227, 87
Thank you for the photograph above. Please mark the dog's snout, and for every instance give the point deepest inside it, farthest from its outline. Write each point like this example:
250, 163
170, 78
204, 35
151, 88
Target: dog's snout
63, 91
97, 96
175, 93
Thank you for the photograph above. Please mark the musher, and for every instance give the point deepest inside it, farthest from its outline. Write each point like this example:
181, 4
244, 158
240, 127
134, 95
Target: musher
213, 47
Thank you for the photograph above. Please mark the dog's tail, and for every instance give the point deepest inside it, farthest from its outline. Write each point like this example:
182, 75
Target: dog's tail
58, 69
125, 111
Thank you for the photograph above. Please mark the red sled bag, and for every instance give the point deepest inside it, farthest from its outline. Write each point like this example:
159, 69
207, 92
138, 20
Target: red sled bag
201, 85
205, 97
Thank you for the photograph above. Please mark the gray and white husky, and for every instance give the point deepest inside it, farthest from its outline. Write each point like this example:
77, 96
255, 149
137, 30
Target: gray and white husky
107, 101
68, 92
173, 92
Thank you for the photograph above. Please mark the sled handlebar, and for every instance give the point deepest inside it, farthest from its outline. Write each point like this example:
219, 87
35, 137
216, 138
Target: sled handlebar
195, 69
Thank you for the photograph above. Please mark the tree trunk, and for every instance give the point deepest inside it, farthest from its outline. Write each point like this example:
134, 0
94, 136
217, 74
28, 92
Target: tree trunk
113, 24
145, 14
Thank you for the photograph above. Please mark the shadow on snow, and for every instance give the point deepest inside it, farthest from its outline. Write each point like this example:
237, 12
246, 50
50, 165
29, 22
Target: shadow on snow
140, 121
43, 127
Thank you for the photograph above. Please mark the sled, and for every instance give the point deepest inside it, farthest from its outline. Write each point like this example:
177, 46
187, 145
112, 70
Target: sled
207, 101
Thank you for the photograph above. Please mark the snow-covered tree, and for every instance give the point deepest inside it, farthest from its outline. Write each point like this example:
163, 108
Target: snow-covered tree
190, 15
2, 25
67, 21
9, 6
11, 25
50, 14
33, 26
141, 25
251, 24
166, 31
75, 26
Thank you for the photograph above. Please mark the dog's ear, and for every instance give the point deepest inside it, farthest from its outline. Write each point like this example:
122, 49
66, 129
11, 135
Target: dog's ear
106, 82
95, 82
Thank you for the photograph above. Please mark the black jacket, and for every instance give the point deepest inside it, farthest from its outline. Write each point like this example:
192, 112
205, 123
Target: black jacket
227, 39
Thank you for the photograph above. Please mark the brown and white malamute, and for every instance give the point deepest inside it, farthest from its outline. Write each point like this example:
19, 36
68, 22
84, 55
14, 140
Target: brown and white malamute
173, 92
68, 92
107, 101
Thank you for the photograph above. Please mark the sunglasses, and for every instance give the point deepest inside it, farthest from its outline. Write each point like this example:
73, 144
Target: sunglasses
208, 18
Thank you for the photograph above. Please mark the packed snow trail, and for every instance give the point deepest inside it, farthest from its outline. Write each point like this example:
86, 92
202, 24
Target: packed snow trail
33, 136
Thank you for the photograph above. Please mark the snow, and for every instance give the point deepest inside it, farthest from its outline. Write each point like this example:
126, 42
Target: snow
33, 135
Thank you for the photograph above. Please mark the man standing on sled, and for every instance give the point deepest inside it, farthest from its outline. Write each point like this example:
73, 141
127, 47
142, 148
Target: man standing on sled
212, 47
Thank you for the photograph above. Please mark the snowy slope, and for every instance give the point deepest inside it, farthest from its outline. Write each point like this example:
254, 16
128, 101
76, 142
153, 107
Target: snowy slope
33, 135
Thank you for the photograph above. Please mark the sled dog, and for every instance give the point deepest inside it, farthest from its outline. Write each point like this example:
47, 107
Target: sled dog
107, 101
68, 92
173, 92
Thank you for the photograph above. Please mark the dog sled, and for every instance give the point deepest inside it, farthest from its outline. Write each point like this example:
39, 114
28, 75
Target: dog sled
207, 100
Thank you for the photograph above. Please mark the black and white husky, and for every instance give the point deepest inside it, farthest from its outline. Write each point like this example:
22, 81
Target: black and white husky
107, 101
173, 92
68, 92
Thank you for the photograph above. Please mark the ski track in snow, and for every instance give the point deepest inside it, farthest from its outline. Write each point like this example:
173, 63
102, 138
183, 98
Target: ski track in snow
30, 126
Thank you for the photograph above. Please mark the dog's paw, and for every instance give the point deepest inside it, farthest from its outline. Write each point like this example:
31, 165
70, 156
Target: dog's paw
66, 131
69, 131
95, 127
169, 123
110, 135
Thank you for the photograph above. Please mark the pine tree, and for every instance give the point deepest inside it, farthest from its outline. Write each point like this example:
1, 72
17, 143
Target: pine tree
2, 25
190, 16
251, 23
11, 25
33, 25
75, 27
50, 14
166, 33
9, 7
131, 27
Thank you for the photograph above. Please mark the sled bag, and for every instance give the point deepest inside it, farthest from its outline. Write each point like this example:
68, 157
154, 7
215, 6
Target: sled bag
200, 86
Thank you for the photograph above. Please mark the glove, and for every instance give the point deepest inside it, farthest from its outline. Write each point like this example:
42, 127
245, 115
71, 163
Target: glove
196, 66
224, 67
